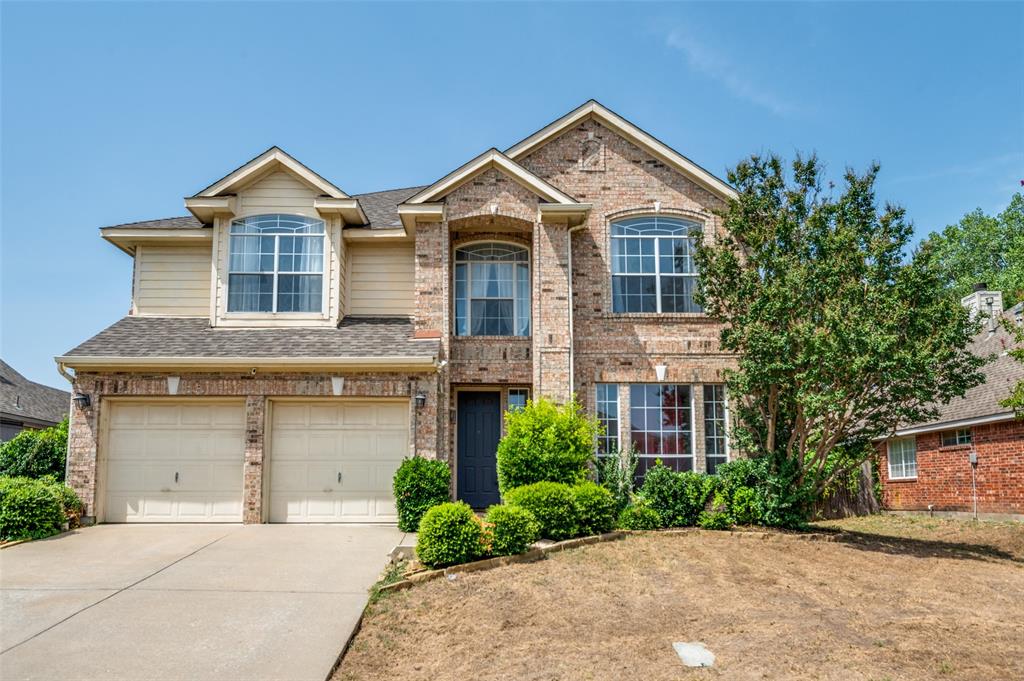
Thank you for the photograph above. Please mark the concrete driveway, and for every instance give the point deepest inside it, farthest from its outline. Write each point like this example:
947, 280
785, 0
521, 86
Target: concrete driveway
186, 601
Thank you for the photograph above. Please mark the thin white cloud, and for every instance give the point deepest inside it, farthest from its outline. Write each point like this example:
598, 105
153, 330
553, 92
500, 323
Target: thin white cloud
984, 166
718, 67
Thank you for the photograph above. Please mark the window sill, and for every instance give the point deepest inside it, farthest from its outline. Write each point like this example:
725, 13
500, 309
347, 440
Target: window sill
659, 316
274, 315
913, 479
502, 339
954, 448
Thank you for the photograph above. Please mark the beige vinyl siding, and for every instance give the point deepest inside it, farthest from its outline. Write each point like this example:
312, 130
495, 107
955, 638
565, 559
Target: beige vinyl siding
172, 280
380, 279
278, 192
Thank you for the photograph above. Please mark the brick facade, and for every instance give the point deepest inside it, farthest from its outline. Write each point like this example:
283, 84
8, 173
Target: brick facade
944, 473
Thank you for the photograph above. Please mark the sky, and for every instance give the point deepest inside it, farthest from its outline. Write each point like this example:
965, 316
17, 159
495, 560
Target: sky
113, 112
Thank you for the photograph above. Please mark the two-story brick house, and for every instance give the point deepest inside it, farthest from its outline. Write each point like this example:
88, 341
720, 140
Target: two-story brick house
288, 343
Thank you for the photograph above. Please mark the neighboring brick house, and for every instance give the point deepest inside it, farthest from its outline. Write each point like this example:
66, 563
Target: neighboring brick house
25, 404
928, 466
289, 343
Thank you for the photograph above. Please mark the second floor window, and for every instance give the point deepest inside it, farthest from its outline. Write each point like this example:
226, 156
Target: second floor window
652, 265
492, 290
276, 264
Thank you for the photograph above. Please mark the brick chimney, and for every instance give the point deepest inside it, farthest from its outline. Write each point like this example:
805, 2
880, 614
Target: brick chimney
984, 302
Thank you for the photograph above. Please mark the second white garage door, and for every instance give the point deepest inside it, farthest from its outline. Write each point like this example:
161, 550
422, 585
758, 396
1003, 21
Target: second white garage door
333, 462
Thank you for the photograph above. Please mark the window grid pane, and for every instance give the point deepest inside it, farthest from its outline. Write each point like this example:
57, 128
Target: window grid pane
607, 404
652, 265
954, 438
661, 425
517, 398
276, 264
492, 290
903, 458
715, 451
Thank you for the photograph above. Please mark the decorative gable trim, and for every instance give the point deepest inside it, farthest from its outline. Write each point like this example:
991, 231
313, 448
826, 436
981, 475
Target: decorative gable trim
492, 158
595, 110
274, 156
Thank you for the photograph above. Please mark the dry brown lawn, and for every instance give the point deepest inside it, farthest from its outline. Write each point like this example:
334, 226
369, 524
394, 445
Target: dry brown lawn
897, 599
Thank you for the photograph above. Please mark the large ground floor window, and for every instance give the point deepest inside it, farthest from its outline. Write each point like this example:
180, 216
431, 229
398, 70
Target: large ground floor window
661, 425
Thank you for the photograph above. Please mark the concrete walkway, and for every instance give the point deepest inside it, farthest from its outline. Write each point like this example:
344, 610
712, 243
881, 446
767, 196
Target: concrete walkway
196, 602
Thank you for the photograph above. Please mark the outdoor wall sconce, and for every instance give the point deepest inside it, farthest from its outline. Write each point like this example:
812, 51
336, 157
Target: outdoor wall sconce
421, 399
81, 400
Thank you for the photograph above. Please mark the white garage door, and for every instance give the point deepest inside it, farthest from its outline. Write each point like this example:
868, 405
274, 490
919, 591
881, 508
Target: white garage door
175, 462
333, 462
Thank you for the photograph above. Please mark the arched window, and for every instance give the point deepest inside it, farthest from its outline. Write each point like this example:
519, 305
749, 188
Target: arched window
276, 264
652, 265
492, 290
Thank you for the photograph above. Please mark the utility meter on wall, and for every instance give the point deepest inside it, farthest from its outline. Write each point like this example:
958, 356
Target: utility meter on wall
973, 458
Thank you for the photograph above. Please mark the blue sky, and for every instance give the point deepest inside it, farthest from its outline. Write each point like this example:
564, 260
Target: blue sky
112, 112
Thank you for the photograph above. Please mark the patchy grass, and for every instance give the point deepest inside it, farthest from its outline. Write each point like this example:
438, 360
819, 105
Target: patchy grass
902, 602
394, 572
983, 538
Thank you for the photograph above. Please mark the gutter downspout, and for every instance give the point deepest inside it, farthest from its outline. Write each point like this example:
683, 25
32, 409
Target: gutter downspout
572, 337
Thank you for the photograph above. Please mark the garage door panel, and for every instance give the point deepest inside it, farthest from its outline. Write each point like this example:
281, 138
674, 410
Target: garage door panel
175, 462
313, 442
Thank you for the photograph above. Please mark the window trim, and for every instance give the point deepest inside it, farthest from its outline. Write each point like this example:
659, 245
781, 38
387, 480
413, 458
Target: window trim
956, 433
617, 435
727, 453
888, 458
325, 273
698, 224
693, 424
453, 267
508, 397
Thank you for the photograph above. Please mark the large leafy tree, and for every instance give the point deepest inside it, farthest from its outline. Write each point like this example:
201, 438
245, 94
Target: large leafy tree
1016, 398
984, 248
838, 338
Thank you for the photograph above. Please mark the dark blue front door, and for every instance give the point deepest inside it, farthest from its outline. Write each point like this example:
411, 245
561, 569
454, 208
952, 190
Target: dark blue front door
479, 429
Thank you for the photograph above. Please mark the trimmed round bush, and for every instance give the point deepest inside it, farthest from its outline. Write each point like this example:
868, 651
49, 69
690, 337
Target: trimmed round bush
639, 516
745, 506
553, 504
512, 529
35, 453
595, 508
545, 442
449, 534
418, 484
679, 498
30, 509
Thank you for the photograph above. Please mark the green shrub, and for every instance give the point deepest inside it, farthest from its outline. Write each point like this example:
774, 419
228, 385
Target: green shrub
745, 506
678, 498
30, 509
449, 534
639, 516
512, 529
35, 453
419, 484
595, 508
714, 520
545, 443
617, 473
553, 504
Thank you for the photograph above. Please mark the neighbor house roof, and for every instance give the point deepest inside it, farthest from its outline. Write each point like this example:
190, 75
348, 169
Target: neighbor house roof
192, 342
25, 399
981, 403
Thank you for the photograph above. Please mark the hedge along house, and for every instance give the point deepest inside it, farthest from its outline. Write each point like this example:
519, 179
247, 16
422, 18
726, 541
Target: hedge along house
288, 343
971, 458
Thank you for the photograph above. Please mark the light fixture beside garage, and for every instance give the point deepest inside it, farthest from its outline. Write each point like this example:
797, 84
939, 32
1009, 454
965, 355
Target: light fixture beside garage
172, 384
421, 399
81, 400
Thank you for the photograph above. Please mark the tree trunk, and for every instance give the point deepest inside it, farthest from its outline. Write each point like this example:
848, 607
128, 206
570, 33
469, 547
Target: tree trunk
841, 502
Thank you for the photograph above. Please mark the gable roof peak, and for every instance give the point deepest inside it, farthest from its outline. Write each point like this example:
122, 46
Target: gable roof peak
256, 167
652, 145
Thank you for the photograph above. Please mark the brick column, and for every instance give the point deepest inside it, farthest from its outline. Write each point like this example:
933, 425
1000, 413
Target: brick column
551, 318
255, 426
83, 439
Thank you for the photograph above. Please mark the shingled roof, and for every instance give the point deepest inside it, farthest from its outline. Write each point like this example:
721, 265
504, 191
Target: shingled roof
25, 399
1001, 375
180, 222
382, 207
168, 337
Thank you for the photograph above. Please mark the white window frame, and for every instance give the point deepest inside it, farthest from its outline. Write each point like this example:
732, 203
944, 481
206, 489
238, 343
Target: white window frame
693, 427
608, 437
657, 274
508, 399
903, 463
516, 303
323, 273
725, 423
962, 437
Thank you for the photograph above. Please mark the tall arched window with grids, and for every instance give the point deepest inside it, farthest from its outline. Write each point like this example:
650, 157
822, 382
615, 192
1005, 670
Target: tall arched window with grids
652, 264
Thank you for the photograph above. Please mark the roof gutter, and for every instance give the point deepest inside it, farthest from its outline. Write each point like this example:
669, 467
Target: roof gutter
952, 425
396, 363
